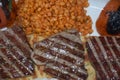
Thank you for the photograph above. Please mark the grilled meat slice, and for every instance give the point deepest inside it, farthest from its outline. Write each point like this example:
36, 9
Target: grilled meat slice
104, 53
15, 54
62, 55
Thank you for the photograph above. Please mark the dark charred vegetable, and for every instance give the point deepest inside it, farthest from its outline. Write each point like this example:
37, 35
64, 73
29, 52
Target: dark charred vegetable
113, 24
7, 7
4, 2
7, 4
9, 12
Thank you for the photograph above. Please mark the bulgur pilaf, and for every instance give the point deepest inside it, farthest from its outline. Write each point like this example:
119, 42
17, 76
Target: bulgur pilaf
47, 17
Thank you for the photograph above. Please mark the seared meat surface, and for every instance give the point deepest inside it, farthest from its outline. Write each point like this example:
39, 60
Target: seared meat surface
15, 54
62, 55
104, 53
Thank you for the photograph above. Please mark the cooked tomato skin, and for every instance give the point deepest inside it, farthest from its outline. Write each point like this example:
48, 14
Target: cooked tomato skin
7, 13
102, 22
3, 20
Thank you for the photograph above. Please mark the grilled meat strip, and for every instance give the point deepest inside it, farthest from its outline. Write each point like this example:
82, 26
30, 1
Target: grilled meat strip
62, 55
15, 54
104, 53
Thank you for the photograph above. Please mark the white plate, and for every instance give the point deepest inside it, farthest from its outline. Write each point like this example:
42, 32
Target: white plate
94, 10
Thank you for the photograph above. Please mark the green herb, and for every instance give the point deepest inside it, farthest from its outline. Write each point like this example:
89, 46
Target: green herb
10, 5
1, 46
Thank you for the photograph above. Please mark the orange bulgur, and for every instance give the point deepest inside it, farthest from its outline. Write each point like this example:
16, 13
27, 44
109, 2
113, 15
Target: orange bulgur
47, 17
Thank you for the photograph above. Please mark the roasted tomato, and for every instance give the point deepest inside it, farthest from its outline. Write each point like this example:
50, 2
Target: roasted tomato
7, 12
108, 22
3, 20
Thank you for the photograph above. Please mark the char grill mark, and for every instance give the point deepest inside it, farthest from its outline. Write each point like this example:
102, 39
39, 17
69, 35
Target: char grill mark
60, 47
104, 53
15, 58
43, 59
118, 40
105, 62
3, 69
18, 42
46, 58
63, 68
70, 42
20, 33
59, 74
62, 55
